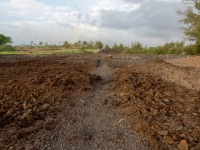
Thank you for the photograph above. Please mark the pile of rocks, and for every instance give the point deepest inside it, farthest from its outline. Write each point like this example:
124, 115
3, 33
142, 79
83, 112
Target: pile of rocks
166, 115
34, 90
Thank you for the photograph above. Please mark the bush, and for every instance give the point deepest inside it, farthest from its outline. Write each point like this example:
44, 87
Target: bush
6, 48
144, 50
173, 50
127, 51
190, 49
156, 50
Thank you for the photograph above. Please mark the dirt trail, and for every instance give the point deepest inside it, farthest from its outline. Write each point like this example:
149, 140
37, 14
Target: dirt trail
91, 124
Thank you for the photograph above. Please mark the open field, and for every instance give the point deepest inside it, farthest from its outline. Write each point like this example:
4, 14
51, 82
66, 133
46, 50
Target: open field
87, 101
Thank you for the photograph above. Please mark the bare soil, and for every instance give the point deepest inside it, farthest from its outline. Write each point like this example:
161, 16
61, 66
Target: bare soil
90, 102
189, 61
163, 100
94, 126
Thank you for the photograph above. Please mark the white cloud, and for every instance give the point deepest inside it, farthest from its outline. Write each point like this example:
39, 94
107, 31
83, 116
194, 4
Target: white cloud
129, 7
107, 20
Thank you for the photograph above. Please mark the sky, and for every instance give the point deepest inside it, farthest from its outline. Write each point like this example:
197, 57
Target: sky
151, 22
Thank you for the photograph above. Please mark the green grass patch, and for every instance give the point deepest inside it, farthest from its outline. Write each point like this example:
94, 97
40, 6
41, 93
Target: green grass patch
12, 53
46, 52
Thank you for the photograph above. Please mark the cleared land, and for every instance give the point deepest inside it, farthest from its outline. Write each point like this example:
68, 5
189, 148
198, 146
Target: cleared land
87, 101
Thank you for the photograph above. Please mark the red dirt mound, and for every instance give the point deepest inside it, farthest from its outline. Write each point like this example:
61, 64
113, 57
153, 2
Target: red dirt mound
34, 89
164, 113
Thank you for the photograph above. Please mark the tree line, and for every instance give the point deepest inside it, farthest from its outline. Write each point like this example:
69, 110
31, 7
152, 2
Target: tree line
134, 48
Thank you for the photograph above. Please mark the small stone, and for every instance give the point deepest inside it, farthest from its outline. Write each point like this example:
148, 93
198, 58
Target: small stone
138, 127
183, 145
163, 133
155, 112
95, 145
146, 84
182, 135
49, 120
166, 124
124, 100
12, 124
180, 106
179, 128
191, 138
25, 106
45, 106
158, 94
197, 147
168, 139
122, 94
166, 100
153, 143
152, 127
195, 114
161, 118
179, 114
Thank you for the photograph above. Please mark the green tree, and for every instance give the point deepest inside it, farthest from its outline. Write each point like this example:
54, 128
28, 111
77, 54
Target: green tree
136, 47
5, 39
66, 44
85, 43
98, 45
40, 44
107, 47
167, 46
31, 44
191, 20
90, 45
115, 46
121, 46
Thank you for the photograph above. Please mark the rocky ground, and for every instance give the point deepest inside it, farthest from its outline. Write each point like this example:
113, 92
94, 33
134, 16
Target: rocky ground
163, 102
94, 126
32, 92
92, 102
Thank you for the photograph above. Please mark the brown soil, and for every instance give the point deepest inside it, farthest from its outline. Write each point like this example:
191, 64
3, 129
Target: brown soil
189, 61
80, 102
93, 125
163, 102
32, 91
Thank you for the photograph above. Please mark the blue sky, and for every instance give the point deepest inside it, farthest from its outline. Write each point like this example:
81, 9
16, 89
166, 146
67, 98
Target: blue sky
152, 22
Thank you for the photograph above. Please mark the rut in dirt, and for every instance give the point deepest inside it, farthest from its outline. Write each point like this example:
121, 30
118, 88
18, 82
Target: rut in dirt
91, 124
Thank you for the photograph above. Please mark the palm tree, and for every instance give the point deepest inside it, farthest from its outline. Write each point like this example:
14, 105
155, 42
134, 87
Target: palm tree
66, 44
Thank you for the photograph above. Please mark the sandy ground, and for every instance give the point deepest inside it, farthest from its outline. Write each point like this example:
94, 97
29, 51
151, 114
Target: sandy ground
190, 61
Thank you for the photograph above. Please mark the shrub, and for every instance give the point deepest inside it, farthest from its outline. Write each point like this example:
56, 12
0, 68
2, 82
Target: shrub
6, 48
156, 50
173, 50
127, 51
190, 49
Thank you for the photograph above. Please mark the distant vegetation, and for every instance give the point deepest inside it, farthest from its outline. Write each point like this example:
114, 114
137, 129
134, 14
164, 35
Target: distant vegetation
82, 46
89, 47
167, 48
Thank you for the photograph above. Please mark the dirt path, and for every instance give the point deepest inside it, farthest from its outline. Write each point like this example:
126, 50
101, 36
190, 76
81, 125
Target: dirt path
93, 125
